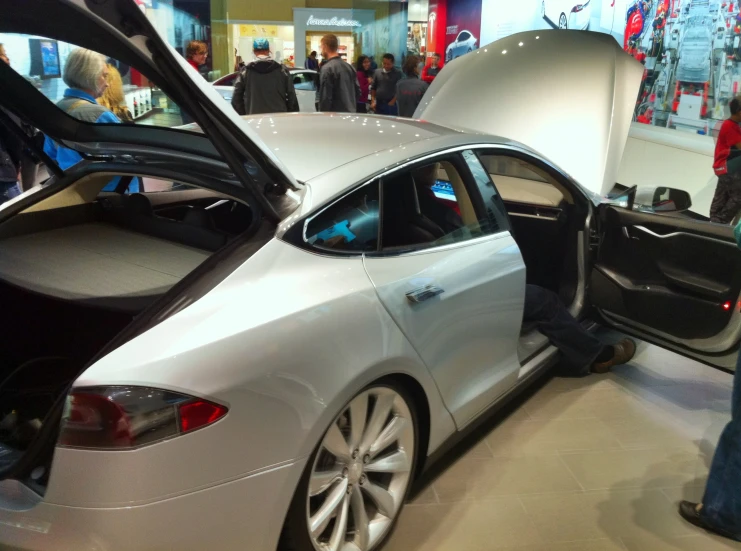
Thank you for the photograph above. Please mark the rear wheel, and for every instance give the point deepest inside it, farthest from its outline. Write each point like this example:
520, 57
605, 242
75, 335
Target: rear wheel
357, 479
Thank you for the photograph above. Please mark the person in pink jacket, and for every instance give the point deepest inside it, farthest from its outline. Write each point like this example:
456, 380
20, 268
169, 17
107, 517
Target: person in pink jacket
365, 77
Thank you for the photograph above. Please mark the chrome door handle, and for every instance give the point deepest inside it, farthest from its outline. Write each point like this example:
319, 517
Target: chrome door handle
424, 293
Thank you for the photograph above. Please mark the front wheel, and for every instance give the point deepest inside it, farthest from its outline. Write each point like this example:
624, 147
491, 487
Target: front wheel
563, 22
357, 479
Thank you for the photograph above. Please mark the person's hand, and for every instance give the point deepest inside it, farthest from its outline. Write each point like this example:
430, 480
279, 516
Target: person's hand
373, 105
392, 102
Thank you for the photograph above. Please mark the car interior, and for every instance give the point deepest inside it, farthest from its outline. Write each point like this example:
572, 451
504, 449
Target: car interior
79, 266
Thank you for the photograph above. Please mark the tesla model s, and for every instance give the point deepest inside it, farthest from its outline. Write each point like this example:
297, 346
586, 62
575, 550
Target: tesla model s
270, 353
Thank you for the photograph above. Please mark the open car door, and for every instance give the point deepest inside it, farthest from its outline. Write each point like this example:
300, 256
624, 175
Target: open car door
670, 280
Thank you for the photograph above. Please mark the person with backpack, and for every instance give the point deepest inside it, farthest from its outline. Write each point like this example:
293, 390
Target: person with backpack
726, 202
264, 86
339, 90
86, 75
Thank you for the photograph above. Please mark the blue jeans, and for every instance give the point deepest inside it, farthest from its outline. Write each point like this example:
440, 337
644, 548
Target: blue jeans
578, 347
721, 505
383, 108
8, 190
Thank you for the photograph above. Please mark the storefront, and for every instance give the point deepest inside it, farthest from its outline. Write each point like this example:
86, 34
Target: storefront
355, 30
279, 35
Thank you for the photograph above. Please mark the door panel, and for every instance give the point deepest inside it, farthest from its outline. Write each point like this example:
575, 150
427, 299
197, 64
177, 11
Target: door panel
463, 315
674, 280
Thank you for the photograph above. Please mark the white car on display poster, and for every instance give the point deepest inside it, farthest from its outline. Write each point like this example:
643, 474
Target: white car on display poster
464, 43
567, 14
271, 358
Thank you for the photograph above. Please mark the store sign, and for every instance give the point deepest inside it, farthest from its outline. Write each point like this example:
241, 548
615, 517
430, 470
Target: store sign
334, 22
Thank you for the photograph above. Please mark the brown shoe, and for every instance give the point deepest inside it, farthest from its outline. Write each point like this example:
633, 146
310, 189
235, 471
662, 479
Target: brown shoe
624, 352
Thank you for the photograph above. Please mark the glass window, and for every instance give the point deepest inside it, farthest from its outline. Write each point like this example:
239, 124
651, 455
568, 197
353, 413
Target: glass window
350, 225
496, 212
103, 92
428, 206
519, 181
304, 81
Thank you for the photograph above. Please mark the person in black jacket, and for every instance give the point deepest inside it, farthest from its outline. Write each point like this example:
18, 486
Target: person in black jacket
264, 86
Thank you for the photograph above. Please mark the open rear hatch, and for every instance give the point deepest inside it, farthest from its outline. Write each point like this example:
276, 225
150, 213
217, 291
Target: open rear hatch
60, 247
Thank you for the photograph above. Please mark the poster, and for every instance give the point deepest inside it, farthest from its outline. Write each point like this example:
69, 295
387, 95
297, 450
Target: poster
416, 37
463, 28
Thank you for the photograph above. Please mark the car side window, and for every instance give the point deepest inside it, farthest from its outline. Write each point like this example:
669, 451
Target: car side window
348, 226
429, 205
463, 36
303, 81
496, 212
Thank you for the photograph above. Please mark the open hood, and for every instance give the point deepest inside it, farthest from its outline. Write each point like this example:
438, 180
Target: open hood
120, 29
569, 95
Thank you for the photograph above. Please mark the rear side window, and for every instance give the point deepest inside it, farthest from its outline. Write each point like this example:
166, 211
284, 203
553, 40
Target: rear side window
349, 225
303, 81
429, 206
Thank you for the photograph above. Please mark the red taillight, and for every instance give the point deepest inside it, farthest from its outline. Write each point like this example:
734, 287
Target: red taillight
131, 417
200, 413
727, 305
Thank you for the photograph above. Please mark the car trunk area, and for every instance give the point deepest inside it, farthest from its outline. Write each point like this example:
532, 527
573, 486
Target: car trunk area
72, 277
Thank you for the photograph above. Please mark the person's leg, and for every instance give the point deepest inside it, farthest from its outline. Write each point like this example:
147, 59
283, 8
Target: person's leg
720, 511
8, 190
579, 347
718, 213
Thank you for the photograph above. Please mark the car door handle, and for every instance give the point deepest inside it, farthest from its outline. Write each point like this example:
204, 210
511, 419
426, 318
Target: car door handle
627, 235
421, 294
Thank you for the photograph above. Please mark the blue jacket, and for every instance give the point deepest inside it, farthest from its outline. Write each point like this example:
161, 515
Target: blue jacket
82, 106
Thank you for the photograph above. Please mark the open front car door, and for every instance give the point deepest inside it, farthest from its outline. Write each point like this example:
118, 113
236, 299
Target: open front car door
670, 280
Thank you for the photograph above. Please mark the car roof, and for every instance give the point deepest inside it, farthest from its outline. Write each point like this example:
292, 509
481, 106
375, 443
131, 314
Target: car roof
311, 144
333, 151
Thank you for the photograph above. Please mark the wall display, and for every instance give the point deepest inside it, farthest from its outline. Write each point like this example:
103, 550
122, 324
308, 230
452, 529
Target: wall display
416, 37
463, 28
691, 53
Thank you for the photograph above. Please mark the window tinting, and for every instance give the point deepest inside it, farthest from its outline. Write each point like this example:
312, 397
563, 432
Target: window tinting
426, 207
496, 219
350, 225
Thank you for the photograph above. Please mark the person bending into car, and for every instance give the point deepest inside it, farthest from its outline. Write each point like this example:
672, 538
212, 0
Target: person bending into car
86, 75
727, 167
582, 351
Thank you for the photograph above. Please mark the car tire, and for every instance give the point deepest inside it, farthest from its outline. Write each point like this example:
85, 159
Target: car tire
376, 474
563, 22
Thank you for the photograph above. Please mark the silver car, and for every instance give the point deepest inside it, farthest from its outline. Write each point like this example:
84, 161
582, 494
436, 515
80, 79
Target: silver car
305, 82
271, 357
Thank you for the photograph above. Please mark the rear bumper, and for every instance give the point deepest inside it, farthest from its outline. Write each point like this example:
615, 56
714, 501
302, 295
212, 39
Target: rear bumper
243, 514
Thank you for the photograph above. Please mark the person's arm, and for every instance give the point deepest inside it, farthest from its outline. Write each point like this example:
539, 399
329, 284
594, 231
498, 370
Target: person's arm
291, 99
238, 94
426, 76
107, 117
392, 101
326, 90
373, 86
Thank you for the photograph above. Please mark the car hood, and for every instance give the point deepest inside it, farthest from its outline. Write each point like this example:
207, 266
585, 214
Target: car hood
568, 95
120, 29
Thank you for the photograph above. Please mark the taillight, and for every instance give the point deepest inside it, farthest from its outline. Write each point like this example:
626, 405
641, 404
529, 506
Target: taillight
126, 417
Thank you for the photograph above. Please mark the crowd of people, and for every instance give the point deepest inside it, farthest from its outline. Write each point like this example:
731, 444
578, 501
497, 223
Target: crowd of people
265, 86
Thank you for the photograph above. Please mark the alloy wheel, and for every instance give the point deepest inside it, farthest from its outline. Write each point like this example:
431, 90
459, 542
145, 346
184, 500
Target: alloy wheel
562, 23
361, 472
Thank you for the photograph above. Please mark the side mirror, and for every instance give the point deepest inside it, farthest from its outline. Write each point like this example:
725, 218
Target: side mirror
662, 199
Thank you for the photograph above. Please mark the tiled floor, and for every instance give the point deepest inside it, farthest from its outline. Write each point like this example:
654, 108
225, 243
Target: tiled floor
593, 464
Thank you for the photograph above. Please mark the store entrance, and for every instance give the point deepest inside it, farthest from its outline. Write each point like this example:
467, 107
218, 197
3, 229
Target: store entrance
346, 50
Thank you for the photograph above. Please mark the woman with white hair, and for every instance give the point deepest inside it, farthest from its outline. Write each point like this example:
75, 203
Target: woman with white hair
86, 75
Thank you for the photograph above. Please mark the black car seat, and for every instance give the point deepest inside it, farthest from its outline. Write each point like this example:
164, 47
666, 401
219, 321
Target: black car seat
403, 222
